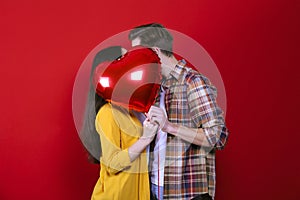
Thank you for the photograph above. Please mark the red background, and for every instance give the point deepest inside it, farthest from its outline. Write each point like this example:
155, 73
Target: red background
255, 44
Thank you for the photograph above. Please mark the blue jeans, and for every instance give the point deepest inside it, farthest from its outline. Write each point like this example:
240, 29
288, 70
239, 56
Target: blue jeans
154, 189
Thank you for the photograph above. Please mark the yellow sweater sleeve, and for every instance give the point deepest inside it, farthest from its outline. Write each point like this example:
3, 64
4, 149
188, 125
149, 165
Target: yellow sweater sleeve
113, 156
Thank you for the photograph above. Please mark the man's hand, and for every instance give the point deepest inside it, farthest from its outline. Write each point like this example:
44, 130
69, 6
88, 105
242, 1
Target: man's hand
157, 115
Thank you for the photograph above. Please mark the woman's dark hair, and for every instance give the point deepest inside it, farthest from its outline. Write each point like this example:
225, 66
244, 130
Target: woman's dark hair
108, 54
89, 136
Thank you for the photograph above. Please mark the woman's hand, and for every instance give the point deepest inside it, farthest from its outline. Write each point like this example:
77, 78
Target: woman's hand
149, 129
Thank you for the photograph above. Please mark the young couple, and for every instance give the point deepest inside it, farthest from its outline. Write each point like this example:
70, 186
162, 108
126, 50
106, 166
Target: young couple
170, 153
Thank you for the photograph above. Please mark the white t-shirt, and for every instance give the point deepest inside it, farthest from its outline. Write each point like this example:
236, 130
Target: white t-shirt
157, 173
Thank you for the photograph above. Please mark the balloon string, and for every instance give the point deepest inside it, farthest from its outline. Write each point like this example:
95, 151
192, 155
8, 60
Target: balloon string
158, 174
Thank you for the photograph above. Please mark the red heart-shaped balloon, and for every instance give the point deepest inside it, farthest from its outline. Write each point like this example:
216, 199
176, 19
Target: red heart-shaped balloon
132, 81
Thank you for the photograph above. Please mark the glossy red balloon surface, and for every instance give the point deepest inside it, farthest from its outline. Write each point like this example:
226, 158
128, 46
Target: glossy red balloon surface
131, 81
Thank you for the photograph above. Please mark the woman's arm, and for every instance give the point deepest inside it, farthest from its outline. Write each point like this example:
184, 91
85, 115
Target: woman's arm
149, 131
113, 156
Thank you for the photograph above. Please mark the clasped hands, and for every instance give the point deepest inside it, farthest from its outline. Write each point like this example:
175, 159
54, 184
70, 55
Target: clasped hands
156, 119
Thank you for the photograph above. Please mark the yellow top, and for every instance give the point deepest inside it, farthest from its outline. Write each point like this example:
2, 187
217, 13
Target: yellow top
120, 178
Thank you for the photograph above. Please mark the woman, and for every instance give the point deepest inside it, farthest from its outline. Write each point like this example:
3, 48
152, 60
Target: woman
123, 173
124, 169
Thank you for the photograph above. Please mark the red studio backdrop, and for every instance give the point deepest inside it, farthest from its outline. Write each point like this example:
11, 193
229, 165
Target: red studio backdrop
255, 45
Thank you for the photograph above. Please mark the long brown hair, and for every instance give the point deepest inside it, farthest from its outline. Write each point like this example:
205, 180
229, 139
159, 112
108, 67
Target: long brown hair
88, 134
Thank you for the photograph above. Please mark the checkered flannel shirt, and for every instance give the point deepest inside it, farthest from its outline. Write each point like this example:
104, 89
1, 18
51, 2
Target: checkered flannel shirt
191, 101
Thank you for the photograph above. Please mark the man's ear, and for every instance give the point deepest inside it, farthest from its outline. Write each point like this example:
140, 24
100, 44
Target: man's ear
156, 50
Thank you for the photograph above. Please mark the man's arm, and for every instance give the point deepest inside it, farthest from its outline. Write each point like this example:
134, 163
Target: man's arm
202, 100
192, 135
204, 112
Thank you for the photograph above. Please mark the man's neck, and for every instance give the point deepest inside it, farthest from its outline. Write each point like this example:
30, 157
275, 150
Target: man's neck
168, 64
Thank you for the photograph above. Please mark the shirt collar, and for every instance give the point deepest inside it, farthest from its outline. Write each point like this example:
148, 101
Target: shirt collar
177, 71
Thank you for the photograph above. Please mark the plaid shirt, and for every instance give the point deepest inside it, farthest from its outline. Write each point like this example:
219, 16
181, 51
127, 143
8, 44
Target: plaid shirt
191, 102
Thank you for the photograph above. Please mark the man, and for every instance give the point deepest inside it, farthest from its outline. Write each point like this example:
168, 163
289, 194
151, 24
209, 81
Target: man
192, 124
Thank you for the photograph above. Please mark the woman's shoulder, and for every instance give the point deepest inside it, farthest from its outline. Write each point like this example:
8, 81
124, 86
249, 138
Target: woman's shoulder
105, 108
109, 111
105, 112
